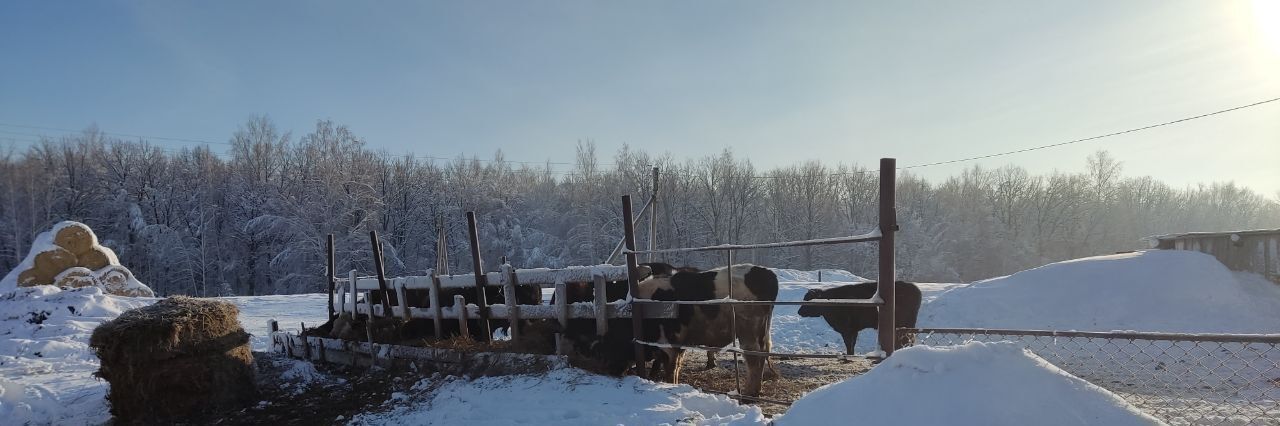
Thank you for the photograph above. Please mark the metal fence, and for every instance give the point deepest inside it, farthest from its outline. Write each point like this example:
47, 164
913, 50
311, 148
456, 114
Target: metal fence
1182, 379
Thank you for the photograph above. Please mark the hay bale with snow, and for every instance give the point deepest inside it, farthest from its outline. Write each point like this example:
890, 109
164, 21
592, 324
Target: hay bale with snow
178, 357
61, 257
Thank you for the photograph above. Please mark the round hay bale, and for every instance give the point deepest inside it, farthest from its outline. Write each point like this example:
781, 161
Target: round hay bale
97, 257
52, 262
179, 357
75, 277
76, 237
115, 279
33, 277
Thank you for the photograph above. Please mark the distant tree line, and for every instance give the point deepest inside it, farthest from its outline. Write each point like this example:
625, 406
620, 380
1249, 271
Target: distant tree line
254, 220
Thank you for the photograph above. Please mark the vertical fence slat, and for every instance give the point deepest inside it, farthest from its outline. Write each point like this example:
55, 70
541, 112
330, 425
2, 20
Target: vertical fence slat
509, 298
403, 301
602, 307
342, 298
433, 298
633, 285
460, 307
887, 275
481, 279
562, 314
355, 292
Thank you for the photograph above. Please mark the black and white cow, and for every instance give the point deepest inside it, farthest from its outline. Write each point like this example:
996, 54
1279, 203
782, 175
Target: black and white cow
701, 325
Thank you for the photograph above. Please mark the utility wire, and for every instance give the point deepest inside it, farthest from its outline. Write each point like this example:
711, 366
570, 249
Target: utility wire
1138, 129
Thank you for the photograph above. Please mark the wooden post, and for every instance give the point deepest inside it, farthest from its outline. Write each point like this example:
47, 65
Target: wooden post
329, 273
273, 326
355, 292
887, 276
509, 298
481, 279
653, 216
402, 300
382, 277
433, 298
562, 314
342, 298
633, 285
562, 304
602, 305
460, 304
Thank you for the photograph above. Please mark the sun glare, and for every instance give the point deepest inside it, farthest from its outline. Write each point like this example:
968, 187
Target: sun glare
1266, 14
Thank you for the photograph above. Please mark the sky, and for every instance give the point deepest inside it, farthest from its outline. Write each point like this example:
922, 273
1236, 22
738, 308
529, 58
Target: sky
777, 82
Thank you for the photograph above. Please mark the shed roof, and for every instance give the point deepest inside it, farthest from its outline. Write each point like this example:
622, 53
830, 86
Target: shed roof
1213, 234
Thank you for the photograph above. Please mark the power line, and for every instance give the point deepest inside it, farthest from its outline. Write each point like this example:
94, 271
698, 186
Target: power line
1138, 129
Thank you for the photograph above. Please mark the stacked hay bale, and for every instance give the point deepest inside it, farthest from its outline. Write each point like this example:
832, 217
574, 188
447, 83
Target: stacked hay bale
69, 256
179, 357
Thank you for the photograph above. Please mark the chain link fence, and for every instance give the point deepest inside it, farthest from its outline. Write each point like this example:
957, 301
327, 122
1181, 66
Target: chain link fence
1183, 379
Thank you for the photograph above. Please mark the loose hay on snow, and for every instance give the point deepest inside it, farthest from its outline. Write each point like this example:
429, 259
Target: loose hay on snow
177, 357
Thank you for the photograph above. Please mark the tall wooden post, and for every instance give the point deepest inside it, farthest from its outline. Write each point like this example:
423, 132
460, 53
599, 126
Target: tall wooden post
653, 216
887, 277
382, 275
633, 285
481, 279
329, 273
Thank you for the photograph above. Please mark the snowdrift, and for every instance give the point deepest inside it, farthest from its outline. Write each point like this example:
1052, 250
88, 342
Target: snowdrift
45, 364
974, 384
1156, 290
561, 397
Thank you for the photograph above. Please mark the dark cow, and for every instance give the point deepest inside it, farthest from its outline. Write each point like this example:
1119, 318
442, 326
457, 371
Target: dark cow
702, 325
849, 320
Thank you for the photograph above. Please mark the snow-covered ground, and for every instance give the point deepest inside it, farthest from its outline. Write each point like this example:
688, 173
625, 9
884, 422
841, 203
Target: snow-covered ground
562, 397
46, 367
971, 384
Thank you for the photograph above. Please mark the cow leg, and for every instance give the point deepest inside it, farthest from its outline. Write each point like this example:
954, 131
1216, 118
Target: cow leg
850, 340
711, 359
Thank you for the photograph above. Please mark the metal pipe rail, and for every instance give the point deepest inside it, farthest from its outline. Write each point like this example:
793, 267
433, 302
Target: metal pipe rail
867, 237
1130, 335
734, 349
814, 302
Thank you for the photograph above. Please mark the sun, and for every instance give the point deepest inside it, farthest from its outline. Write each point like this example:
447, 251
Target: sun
1266, 15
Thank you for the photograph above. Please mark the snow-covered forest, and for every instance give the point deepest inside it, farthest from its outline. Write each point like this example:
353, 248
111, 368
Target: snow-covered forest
253, 219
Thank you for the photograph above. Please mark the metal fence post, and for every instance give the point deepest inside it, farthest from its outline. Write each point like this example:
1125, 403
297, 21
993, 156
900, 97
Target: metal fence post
887, 278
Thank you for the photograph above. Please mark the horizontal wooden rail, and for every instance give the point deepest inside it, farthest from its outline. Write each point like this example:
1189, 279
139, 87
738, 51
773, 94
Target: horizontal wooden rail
541, 277
870, 236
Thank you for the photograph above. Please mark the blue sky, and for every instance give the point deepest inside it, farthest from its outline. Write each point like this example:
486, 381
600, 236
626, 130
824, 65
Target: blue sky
780, 82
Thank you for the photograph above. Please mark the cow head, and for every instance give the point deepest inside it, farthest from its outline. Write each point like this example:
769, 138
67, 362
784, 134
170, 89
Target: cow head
811, 311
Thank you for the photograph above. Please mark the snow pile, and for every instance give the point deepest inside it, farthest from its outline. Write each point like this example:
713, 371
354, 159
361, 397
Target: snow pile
561, 397
69, 256
976, 383
45, 364
1157, 290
